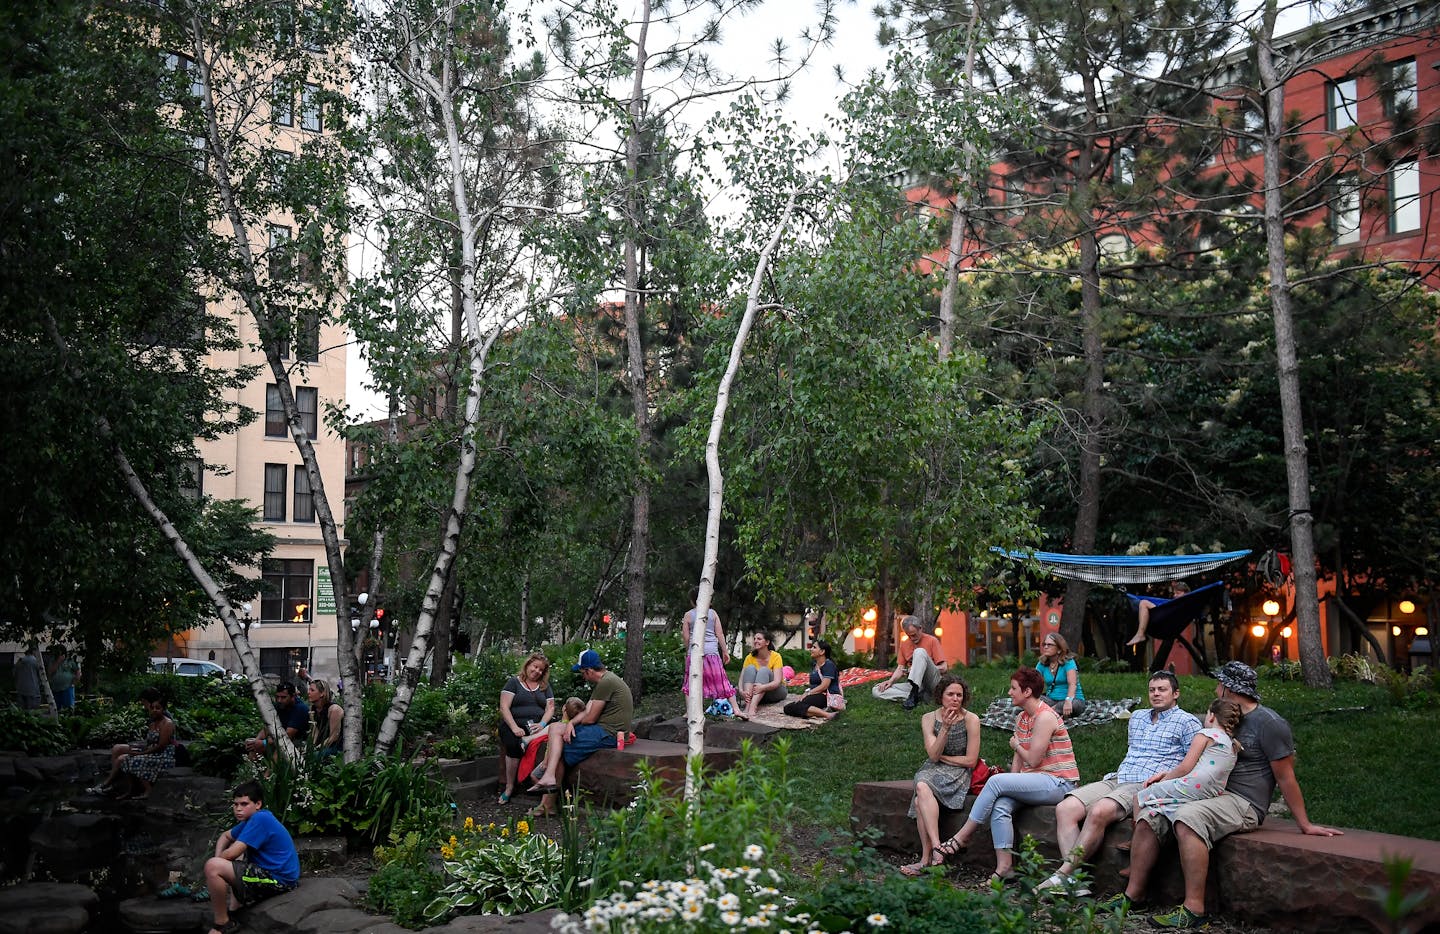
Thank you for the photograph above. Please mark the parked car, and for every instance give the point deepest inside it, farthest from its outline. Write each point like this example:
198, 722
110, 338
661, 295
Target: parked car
187, 667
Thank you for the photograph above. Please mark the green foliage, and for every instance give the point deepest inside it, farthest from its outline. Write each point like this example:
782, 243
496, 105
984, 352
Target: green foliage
31, 733
366, 800
661, 835
122, 725
405, 882
1395, 903
504, 871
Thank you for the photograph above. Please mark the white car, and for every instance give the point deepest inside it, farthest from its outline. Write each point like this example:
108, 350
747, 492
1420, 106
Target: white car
187, 667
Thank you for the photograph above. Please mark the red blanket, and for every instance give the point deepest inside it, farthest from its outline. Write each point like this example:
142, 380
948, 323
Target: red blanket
848, 678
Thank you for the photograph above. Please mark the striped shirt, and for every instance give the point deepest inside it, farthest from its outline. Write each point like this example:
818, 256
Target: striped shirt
1158, 742
1059, 757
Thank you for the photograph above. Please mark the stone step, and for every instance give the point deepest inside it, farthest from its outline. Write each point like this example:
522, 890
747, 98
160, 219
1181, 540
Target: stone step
726, 733
610, 775
1275, 876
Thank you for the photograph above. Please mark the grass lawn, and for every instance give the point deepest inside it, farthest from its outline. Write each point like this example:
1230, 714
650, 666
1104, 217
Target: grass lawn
1361, 761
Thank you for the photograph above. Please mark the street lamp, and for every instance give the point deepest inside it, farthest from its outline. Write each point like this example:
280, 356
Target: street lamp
248, 622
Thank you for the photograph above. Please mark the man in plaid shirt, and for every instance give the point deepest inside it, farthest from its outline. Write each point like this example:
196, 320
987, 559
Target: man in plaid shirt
1158, 743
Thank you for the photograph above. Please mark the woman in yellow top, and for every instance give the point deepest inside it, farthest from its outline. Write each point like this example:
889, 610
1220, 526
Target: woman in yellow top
1042, 771
761, 680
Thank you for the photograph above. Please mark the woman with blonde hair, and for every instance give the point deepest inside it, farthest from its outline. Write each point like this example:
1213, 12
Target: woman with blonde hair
1061, 676
527, 705
326, 719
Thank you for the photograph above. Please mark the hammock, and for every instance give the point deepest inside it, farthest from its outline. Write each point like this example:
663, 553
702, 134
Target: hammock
1170, 616
1124, 569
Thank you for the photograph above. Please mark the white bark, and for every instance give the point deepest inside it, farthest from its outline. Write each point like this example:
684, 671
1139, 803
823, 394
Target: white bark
695, 702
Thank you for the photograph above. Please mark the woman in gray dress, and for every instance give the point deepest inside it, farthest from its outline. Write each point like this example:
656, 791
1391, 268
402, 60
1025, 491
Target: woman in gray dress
952, 747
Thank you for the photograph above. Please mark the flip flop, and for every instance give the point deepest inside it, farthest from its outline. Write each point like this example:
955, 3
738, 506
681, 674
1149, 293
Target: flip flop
912, 870
539, 811
504, 797
545, 789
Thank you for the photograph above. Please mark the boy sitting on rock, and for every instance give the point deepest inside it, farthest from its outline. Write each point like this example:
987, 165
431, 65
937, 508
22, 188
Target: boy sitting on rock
253, 861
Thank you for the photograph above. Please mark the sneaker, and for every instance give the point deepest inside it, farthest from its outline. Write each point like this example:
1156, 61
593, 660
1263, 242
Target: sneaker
1181, 917
1117, 902
1056, 881
913, 699
1064, 885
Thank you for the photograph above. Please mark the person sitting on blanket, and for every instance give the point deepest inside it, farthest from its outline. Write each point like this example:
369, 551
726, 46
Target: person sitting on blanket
761, 677
1062, 676
1177, 589
824, 698
922, 662
610, 710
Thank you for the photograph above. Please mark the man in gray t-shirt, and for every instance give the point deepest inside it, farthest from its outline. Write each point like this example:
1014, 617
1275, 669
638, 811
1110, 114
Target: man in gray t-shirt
27, 680
1266, 760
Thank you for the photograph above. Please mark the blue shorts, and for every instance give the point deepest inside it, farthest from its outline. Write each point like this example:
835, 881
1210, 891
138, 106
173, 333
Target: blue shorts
589, 739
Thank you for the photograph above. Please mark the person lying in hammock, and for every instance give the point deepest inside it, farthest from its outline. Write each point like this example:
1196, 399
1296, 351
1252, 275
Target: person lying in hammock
1177, 589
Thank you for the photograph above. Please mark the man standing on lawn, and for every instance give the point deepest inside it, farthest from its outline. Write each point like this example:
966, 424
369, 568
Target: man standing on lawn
922, 662
609, 711
1159, 740
1267, 759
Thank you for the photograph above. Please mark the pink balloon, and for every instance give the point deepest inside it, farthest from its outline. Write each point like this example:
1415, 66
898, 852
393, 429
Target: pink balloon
787, 672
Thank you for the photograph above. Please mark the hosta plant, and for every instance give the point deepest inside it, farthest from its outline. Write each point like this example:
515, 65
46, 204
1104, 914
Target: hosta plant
497, 871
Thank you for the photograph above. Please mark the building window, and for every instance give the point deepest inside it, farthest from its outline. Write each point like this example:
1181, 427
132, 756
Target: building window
192, 479
1398, 90
1404, 196
1252, 124
280, 163
307, 402
1341, 107
281, 258
282, 103
274, 413
275, 493
1345, 210
289, 583
1014, 193
183, 67
304, 497
311, 109
312, 30
282, 339
1124, 166
307, 336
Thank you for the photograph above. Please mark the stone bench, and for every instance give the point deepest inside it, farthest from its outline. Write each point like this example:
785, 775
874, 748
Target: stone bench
611, 775
726, 733
1274, 876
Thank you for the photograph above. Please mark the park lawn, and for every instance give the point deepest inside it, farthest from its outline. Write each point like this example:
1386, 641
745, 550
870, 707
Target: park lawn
1362, 762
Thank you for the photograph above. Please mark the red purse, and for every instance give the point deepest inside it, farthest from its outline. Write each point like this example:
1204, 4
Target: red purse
980, 775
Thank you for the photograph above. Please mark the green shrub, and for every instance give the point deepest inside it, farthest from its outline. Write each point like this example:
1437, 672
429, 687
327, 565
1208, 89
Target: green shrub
504, 871
405, 883
121, 725
366, 800
221, 750
31, 733
661, 835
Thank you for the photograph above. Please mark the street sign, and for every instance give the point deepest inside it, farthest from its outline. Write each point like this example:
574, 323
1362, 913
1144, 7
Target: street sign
325, 596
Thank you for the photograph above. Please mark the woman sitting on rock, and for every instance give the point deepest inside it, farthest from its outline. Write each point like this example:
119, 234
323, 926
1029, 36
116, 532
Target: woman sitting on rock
952, 747
326, 720
135, 766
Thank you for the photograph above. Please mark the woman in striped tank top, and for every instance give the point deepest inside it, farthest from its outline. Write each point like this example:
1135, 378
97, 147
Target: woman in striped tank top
1042, 771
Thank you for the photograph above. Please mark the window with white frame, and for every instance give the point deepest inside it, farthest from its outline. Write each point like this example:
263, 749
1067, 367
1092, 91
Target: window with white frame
1341, 105
1399, 91
304, 497
307, 403
1405, 196
274, 412
281, 260
274, 506
282, 103
311, 109
1345, 210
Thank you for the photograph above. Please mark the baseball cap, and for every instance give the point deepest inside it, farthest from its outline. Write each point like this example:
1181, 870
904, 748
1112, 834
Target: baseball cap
588, 659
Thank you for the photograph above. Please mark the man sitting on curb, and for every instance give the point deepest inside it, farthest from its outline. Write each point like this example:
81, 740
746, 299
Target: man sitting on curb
1159, 741
610, 710
252, 862
1267, 759
922, 662
294, 719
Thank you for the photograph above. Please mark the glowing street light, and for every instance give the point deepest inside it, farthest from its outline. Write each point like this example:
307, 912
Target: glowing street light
1271, 607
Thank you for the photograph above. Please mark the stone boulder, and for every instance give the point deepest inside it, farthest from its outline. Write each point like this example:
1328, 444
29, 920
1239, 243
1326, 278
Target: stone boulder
536, 922
612, 774
282, 914
76, 840
46, 908
160, 916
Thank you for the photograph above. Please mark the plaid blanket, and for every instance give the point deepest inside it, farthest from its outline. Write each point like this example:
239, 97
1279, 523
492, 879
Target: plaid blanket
1001, 714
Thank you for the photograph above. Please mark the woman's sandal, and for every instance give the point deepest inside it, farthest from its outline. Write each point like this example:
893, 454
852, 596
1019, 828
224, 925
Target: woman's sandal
229, 927
950, 848
1003, 878
912, 870
504, 797
539, 811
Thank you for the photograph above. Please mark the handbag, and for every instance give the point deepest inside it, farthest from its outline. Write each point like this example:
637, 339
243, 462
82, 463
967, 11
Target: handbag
835, 702
980, 775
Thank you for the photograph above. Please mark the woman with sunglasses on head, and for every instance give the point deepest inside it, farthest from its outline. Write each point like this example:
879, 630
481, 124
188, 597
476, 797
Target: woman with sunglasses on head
1062, 677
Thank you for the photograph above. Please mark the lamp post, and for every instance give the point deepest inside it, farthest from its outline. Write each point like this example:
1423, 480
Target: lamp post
247, 623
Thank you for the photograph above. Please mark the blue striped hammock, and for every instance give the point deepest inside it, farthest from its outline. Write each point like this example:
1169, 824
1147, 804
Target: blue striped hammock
1123, 569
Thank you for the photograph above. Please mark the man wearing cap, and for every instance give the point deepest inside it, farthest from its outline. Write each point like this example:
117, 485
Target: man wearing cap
922, 662
1158, 741
1267, 759
609, 711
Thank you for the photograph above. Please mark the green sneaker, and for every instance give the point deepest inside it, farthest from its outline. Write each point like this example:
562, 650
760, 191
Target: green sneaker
1117, 902
1181, 917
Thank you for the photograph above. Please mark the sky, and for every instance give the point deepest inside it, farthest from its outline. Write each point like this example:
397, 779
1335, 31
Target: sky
746, 49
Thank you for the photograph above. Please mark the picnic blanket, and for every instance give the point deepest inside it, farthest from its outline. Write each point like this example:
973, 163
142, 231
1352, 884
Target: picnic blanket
848, 678
775, 715
1001, 714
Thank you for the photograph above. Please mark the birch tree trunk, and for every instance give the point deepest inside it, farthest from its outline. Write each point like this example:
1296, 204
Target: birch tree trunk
1297, 469
695, 701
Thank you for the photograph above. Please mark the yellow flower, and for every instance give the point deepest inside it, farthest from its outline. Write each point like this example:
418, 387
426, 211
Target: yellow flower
447, 852
504, 831
522, 827
492, 826
454, 841
470, 823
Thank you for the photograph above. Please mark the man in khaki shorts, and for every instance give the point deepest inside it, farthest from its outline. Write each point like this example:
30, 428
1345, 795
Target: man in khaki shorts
1267, 759
1159, 740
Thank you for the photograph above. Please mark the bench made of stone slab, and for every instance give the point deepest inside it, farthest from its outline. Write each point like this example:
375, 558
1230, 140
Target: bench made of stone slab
727, 733
46, 908
611, 775
1275, 875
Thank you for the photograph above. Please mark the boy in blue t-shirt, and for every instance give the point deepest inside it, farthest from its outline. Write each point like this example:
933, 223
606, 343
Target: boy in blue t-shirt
252, 861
